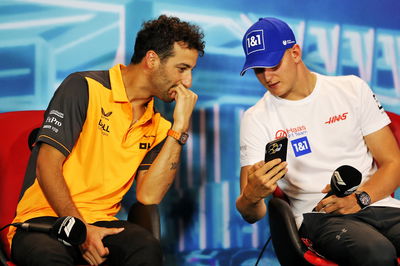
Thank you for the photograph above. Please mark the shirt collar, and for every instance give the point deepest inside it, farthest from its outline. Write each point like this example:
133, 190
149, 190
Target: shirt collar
117, 84
119, 92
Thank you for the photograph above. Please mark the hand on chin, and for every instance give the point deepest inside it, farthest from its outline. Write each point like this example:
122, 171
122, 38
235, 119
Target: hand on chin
172, 95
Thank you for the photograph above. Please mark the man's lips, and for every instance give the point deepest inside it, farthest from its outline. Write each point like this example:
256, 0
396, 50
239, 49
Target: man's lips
273, 85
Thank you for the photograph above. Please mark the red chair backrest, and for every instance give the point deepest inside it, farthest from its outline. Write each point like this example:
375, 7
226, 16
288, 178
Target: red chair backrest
14, 156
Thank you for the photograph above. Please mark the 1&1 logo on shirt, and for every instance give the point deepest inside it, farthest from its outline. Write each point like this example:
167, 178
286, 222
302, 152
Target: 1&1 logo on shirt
300, 146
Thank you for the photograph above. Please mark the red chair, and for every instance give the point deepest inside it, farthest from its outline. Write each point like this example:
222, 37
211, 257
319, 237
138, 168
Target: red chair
15, 136
289, 248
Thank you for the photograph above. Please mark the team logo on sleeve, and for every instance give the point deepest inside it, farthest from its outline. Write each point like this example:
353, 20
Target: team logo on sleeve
54, 121
377, 102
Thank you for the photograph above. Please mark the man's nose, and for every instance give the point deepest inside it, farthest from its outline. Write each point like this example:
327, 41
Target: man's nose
187, 80
268, 75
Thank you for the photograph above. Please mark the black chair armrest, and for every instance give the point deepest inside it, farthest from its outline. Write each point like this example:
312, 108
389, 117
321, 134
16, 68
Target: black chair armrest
3, 257
288, 246
147, 216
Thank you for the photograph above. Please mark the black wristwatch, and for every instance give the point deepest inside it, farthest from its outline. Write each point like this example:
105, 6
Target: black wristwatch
363, 199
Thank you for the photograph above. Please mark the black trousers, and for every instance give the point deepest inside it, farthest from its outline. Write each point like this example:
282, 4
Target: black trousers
133, 246
368, 237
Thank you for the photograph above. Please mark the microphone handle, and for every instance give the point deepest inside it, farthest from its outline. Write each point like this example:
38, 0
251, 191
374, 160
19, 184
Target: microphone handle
330, 193
36, 227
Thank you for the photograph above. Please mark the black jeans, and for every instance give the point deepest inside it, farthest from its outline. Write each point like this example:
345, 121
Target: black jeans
133, 246
368, 237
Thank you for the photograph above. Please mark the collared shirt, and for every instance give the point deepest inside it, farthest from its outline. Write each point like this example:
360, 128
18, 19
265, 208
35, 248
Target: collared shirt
89, 120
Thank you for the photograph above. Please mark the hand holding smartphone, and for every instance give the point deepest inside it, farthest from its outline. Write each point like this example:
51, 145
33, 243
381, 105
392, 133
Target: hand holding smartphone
276, 149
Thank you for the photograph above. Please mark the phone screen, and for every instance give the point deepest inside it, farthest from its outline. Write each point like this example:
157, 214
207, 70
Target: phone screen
276, 149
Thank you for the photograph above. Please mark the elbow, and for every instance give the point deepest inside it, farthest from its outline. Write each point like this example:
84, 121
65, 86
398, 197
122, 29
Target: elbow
251, 219
148, 199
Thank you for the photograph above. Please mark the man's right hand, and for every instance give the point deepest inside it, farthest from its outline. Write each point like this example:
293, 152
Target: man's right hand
185, 102
262, 178
93, 250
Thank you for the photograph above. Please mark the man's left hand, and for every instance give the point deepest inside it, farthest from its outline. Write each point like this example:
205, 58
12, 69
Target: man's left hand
334, 204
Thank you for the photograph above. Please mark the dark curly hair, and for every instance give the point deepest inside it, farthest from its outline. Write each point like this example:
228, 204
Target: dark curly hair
160, 35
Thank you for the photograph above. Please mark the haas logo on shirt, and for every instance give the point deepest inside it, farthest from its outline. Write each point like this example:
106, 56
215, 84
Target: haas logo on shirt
337, 118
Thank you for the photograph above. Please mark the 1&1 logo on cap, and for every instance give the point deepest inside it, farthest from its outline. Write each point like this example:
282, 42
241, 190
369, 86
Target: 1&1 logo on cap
255, 41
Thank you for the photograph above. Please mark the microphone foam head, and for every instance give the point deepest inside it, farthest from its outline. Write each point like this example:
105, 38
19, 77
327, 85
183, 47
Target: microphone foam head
345, 180
69, 230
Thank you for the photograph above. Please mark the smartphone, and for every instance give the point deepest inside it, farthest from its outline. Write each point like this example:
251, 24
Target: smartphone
276, 149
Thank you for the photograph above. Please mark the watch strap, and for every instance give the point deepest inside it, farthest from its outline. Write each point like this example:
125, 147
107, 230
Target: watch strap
180, 137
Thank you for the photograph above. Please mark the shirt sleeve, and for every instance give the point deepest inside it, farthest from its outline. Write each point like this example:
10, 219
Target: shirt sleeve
66, 114
253, 138
372, 117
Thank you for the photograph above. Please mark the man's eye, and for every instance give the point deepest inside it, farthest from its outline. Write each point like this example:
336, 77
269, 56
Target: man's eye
259, 70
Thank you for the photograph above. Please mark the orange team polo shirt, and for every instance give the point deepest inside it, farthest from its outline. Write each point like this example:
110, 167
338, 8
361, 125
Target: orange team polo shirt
88, 120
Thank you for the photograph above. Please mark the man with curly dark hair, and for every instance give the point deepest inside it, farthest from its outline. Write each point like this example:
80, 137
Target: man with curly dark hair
101, 132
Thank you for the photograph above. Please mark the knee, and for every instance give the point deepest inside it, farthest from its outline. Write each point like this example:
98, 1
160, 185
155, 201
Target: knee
140, 248
376, 254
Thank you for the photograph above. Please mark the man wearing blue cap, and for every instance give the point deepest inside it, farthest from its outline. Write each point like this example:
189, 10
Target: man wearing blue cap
329, 122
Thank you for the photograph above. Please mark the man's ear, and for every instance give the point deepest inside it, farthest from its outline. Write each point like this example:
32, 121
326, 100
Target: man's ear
152, 59
296, 53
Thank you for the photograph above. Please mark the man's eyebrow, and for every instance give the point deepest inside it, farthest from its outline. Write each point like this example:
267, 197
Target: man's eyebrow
186, 65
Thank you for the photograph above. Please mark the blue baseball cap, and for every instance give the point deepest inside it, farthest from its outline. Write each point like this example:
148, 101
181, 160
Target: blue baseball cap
265, 43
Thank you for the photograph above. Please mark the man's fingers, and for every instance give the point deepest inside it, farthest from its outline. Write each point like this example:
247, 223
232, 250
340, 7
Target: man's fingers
112, 231
279, 174
107, 252
178, 90
271, 164
92, 258
88, 258
326, 189
94, 251
256, 166
275, 169
97, 254
260, 168
269, 172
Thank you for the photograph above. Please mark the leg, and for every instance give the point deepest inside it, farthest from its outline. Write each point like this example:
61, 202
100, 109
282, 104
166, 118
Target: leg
37, 248
390, 223
393, 234
347, 240
133, 246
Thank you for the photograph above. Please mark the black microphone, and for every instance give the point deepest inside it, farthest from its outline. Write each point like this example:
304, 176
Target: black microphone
344, 181
68, 229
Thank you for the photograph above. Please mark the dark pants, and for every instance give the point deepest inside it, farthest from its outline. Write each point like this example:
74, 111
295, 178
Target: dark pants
368, 237
133, 246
